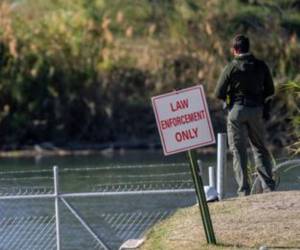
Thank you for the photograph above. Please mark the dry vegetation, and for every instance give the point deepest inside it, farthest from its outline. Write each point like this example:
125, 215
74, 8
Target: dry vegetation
84, 71
270, 220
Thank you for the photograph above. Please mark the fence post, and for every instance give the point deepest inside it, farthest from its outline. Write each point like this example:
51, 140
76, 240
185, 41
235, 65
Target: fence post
56, 193
211, 177
222, 160
200, 167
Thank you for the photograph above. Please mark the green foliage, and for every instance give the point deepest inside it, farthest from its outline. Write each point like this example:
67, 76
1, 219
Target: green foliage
294, 87
84, 71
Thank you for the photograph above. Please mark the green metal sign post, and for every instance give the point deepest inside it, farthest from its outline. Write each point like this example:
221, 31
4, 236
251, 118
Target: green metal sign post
204, 210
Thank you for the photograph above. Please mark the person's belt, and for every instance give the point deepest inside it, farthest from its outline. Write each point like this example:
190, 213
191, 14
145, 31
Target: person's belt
248, 102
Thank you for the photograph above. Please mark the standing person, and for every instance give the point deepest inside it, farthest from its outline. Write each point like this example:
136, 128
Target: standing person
244, 85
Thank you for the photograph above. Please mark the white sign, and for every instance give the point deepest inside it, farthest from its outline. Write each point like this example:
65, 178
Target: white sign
183, 120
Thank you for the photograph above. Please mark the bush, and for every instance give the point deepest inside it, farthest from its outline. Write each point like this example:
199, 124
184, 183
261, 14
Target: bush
85, 72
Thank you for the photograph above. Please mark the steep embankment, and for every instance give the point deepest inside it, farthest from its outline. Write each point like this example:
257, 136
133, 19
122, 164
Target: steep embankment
270, 220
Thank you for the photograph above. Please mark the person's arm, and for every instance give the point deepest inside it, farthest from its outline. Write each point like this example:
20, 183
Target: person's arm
269, 89
223, 83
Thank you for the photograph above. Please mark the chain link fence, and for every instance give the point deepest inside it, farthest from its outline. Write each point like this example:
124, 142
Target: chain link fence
98, 208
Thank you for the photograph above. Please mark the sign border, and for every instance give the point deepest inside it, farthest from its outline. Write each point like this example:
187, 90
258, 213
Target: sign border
212, 141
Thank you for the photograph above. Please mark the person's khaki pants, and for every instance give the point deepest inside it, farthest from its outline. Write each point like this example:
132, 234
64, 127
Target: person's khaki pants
247, 123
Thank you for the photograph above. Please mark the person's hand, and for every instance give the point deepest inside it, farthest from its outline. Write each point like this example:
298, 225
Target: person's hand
266, 111
224, 105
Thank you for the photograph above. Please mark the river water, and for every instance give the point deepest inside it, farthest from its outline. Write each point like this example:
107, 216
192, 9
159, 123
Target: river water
114, 218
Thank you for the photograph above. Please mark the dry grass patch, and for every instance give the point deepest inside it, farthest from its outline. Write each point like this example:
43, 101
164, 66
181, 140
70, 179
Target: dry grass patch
271, 220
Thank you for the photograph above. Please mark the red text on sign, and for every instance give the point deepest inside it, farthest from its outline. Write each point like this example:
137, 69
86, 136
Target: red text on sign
181, 104
186, 135
183, 119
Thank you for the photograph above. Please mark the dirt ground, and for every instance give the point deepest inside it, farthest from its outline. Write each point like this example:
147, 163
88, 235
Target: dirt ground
271, 220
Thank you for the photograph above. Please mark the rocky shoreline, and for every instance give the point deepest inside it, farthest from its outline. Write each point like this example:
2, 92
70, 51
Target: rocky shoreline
49, 149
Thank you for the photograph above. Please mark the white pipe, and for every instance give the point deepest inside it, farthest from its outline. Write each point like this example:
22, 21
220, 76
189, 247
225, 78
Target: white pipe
56, 193
221, 167
211, 177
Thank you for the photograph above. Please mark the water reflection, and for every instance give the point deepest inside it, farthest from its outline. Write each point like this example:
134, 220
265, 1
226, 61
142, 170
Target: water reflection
115, 218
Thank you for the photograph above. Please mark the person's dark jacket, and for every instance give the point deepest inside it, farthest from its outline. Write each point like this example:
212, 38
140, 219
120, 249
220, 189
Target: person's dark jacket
245, 80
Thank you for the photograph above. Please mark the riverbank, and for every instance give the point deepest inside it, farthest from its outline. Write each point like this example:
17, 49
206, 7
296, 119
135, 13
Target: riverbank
49, 149
270, 220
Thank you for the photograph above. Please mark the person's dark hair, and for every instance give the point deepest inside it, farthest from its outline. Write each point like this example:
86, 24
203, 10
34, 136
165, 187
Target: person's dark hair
241, 44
